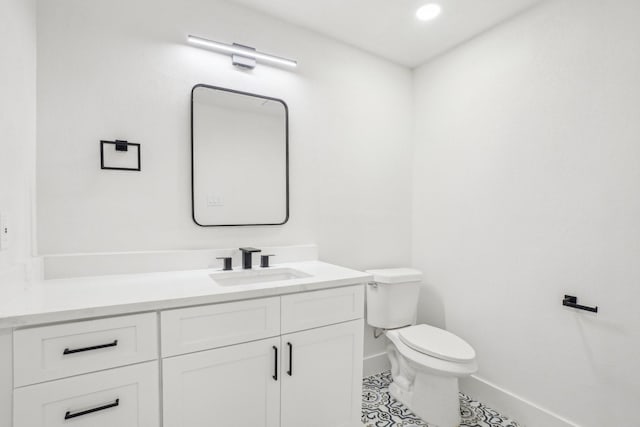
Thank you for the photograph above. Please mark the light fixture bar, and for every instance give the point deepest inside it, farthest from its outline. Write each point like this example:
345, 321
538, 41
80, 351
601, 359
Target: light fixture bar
235, 49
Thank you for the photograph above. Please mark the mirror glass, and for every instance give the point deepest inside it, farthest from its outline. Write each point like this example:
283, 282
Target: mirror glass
239, 147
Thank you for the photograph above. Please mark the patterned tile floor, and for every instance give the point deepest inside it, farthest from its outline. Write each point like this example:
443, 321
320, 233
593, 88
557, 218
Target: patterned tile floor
381, 410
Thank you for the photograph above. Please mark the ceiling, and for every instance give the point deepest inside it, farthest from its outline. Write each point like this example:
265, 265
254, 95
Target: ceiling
389, 28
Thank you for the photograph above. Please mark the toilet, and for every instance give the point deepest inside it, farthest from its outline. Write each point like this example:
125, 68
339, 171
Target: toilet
426, 361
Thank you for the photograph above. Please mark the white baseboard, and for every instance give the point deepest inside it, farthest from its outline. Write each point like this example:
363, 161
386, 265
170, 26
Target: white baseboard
526, 413
375, 363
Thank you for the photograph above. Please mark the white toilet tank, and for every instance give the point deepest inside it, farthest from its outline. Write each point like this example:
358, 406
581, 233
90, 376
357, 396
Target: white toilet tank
392, 300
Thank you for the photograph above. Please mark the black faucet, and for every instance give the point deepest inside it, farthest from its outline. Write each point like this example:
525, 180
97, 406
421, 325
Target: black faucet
246, 257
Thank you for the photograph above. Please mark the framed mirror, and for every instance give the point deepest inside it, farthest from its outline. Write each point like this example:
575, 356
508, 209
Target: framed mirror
239, 158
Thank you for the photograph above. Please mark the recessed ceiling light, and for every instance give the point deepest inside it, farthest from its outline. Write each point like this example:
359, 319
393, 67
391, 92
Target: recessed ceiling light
428, 12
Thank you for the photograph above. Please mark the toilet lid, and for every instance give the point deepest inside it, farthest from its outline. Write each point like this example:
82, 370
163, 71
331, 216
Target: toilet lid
437, 342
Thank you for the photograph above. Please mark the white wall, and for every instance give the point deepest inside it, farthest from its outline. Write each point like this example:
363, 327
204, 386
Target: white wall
120, 69
17, 130
526, 187
17, 159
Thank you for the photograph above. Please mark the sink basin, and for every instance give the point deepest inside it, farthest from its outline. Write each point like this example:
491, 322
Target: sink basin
250, 277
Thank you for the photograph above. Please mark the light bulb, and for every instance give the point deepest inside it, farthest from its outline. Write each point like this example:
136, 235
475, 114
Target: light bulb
428, 12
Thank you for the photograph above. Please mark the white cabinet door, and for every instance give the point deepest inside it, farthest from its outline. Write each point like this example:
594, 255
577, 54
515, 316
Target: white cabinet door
236, 386
121, 397
322, 376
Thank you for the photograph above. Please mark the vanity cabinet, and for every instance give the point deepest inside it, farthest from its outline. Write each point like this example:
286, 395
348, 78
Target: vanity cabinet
310, 376
282, 361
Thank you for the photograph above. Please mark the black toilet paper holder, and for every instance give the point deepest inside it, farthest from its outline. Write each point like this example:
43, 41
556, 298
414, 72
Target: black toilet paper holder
571, 301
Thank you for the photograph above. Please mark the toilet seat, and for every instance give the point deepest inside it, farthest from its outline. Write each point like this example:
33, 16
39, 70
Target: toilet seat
438, 343
424, 362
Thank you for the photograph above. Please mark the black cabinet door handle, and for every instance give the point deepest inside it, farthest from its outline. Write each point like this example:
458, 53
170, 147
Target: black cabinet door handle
70, 414
290, 371
275, 364
95, 347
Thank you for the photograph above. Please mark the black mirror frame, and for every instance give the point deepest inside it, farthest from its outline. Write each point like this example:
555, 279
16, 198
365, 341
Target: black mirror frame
286, 125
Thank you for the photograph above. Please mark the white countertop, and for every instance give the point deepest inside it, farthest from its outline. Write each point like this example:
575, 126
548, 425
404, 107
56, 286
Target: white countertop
77, 298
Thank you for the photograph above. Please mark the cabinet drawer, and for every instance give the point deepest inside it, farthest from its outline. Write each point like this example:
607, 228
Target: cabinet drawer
313, 309
201, 328
122, 397
52, 352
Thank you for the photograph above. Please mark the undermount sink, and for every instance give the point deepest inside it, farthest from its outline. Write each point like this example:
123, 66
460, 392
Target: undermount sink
250, 277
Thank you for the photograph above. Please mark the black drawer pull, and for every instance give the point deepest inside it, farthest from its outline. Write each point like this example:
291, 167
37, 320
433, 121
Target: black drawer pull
290, 371
95, 347
275, 365
70, 415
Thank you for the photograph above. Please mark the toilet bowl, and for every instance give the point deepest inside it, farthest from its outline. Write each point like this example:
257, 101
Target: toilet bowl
425, 383
426, 361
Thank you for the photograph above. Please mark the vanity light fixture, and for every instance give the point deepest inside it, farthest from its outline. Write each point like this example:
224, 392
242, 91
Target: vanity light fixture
241, 56
428, 12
